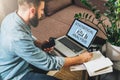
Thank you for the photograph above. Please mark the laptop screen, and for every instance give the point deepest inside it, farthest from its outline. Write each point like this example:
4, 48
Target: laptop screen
82, 33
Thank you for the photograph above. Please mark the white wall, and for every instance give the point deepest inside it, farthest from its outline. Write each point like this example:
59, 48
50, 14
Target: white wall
6, 7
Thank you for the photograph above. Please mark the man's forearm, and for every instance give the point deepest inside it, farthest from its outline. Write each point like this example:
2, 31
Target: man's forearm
72, 61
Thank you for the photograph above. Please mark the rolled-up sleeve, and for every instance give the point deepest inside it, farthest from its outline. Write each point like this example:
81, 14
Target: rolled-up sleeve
26, 49
34, 38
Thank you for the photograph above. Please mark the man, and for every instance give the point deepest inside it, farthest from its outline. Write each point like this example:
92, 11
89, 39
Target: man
18, 48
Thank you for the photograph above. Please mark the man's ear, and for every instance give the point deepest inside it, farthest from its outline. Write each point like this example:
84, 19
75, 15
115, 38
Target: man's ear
32, 10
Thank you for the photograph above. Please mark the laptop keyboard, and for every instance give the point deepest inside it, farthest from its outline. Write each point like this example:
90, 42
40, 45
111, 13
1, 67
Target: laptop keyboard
75, 48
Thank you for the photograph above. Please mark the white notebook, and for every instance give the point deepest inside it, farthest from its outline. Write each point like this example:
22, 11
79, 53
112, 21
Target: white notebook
96, 66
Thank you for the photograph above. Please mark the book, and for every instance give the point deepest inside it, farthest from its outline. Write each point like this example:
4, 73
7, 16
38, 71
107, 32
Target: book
96, 66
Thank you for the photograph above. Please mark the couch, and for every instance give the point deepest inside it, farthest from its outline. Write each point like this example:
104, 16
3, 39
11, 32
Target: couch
58, 17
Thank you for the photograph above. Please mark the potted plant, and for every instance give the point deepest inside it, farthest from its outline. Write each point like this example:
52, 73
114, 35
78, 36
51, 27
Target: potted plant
111, 30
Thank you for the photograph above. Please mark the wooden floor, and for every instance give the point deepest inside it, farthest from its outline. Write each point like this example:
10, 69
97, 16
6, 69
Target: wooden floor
66, 74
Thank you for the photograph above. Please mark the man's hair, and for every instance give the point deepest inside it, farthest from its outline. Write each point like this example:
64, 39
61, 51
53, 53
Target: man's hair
34, 2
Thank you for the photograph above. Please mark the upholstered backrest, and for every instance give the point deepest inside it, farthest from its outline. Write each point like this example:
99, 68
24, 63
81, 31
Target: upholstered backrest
53, 6
98, 3
6, 7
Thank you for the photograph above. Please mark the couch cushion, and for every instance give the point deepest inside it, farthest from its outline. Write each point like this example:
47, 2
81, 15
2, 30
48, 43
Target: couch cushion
49, 27
98, 3
54, 5
66, 16
78, 3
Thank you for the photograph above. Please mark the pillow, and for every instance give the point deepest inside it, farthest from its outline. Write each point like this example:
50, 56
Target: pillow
98, 3
53, 6
78, 3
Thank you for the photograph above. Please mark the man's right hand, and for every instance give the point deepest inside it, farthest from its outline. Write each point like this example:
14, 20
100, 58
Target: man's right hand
85, 57
82, 58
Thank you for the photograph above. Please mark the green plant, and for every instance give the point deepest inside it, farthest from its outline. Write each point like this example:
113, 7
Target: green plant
112, 14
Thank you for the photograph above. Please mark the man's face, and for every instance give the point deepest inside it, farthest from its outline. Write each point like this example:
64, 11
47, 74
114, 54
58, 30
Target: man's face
34, 21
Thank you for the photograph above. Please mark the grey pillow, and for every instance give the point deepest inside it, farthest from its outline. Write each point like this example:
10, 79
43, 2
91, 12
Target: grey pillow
78, 3
53, 6
98, 3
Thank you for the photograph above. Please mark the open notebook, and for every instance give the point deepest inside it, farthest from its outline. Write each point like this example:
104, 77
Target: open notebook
96, 66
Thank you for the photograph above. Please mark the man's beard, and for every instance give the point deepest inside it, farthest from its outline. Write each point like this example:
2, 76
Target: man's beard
34, 21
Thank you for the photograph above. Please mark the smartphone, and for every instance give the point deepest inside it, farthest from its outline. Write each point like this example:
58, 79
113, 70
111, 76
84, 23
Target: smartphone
49, 44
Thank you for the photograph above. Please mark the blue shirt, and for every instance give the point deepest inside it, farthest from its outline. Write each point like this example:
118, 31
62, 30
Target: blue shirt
17, 50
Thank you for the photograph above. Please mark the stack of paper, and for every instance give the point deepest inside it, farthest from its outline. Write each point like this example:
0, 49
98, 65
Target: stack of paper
96, 66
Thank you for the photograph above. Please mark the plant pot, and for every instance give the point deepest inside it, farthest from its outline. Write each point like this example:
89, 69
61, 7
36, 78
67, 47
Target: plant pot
113, 52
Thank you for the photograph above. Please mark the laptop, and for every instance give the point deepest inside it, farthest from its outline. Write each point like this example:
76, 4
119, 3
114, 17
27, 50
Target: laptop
77, 40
